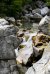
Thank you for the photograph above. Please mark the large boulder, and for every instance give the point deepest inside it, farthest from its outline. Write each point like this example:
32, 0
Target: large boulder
26, 52
43, 65
7, 30
8, 41
44, 25
7, 46
44, 11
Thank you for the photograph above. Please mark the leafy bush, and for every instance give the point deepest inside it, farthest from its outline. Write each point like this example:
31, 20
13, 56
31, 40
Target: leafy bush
12, 7
47, 2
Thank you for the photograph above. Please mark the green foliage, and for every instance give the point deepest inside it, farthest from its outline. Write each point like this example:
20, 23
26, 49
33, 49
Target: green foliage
47, 2
12, 7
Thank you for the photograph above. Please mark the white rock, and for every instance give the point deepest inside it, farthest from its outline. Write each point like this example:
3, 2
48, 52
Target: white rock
44, 20
43, 65
44, 25
5, 26
48, 69
16, 52
44, 11
24, 54
3, 21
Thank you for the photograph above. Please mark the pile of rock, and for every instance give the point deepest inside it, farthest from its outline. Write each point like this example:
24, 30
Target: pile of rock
35, 15
8, 43
35, 46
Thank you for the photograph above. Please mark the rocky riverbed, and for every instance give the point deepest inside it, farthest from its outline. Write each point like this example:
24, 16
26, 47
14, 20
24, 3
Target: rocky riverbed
25, 43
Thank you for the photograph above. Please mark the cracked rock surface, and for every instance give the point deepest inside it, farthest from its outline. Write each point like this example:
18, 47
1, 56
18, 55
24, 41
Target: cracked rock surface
43, 65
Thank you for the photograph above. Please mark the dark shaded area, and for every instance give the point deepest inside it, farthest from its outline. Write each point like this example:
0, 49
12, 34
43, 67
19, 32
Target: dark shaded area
14, 7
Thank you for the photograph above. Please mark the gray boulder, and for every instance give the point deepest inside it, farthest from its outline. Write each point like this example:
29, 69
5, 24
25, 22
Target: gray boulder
7, 46
44, 25
8, 41
7, 30
43, 11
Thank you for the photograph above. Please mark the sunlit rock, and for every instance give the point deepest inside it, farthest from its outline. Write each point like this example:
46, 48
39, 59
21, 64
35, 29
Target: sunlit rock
38, 51
25, 53
45, 20
44, 11
40, 39
43, 65
3, 22
27, 50
8, 41
7, 30
44, 25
